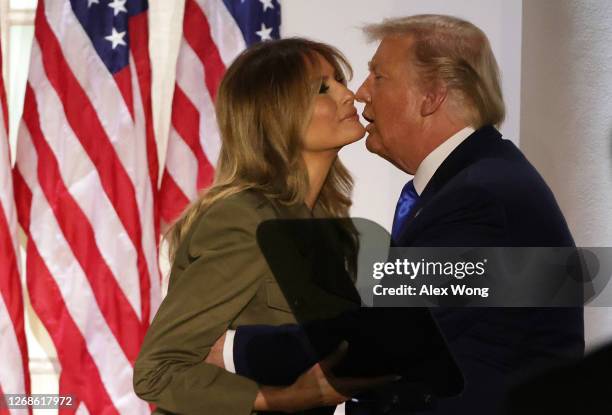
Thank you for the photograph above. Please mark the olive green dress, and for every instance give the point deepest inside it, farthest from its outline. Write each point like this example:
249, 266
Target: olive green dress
219, 281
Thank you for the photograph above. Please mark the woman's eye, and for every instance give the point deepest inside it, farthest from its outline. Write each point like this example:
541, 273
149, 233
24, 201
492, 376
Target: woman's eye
340, 80
324, 88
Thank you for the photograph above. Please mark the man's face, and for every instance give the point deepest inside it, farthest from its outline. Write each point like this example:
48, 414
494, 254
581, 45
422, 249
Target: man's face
393, 104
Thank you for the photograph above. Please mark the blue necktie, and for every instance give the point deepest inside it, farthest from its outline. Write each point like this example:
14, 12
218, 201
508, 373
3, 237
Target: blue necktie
406, 201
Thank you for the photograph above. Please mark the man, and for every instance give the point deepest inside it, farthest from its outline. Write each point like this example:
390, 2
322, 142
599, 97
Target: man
433, 99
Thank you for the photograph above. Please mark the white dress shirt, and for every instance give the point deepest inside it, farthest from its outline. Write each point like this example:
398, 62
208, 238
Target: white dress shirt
422, 176
228, 351
434, 160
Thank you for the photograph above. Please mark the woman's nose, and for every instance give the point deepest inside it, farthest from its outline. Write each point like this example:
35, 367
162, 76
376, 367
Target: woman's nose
348, 96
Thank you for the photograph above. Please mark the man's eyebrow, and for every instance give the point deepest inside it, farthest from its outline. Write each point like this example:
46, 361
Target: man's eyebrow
371, 66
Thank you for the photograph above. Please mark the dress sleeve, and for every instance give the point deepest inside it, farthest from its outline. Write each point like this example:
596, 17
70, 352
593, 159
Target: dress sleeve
225, 271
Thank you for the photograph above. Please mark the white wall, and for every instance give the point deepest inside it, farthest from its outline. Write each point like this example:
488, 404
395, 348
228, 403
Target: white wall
566, 128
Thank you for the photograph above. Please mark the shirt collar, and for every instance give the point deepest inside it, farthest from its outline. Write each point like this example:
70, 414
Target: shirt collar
432, 162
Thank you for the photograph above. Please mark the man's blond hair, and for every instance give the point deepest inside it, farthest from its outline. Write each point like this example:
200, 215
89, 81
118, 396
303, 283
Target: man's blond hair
456, 52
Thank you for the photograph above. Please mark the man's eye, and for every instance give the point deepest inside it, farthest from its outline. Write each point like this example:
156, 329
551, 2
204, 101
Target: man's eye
324, 88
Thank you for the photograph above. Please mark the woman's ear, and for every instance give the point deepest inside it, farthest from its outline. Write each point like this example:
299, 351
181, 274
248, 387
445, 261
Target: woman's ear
433, 99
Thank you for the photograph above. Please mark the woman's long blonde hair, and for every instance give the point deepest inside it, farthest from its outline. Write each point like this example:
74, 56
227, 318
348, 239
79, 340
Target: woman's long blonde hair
263, 107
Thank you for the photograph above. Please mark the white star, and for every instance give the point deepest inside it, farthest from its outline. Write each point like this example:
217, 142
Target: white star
264, 33
116, 38
90, 2
118, 6
266, 4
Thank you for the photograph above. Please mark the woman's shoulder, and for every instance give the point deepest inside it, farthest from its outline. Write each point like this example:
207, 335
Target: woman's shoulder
242, 211
244, 199
245, 205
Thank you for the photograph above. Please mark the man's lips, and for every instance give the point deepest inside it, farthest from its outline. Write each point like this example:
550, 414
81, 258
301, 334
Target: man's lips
371, 126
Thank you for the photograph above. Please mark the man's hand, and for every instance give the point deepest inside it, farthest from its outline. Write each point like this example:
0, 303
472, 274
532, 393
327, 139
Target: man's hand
316, 387
215, 356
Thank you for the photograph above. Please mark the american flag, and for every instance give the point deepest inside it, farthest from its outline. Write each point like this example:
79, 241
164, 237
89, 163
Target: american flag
214, 33
85, 183
14, 374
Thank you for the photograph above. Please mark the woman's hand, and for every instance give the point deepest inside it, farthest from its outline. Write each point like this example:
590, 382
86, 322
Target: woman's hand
215, 355
316, 387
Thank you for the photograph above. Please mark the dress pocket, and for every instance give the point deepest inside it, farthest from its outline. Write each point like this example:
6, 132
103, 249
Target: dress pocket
276, 298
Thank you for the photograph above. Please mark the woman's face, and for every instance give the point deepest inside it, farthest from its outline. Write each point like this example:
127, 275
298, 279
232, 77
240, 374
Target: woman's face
334, 122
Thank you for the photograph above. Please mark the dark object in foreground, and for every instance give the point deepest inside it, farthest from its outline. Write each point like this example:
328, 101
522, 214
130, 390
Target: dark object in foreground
309, 261
582, 388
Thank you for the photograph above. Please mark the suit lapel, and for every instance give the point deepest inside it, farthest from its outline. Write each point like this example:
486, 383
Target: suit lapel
466, 153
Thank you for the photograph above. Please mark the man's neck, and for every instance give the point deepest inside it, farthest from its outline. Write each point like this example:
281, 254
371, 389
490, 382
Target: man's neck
436, 157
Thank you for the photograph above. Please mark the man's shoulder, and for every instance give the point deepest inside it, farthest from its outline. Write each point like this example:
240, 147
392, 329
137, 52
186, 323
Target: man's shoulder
502, 189
501, 172
485, 161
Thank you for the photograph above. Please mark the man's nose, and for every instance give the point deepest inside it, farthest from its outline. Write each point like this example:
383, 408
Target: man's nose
363, 93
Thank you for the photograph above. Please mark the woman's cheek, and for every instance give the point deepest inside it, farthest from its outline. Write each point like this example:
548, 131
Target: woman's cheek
322, 125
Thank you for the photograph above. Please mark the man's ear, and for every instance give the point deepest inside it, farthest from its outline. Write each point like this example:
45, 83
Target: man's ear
433, 99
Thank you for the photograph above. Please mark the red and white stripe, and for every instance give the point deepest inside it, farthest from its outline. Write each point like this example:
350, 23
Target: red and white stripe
211, 40
14, 374
85, 188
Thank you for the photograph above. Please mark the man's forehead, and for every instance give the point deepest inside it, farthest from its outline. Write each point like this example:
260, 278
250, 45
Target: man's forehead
377, 59
395, 43
391, 48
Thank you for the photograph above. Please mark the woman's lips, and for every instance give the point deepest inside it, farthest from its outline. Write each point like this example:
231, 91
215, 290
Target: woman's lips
351, 116
354, 117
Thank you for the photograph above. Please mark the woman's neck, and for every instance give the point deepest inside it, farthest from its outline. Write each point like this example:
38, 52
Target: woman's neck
318, 165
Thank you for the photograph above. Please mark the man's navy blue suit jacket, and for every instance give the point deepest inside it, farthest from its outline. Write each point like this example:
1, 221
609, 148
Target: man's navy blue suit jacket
486, 193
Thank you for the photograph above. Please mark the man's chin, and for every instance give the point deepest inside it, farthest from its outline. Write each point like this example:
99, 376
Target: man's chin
374, 146
372, 143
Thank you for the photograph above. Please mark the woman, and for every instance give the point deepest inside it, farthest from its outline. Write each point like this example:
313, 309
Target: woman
284, 112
